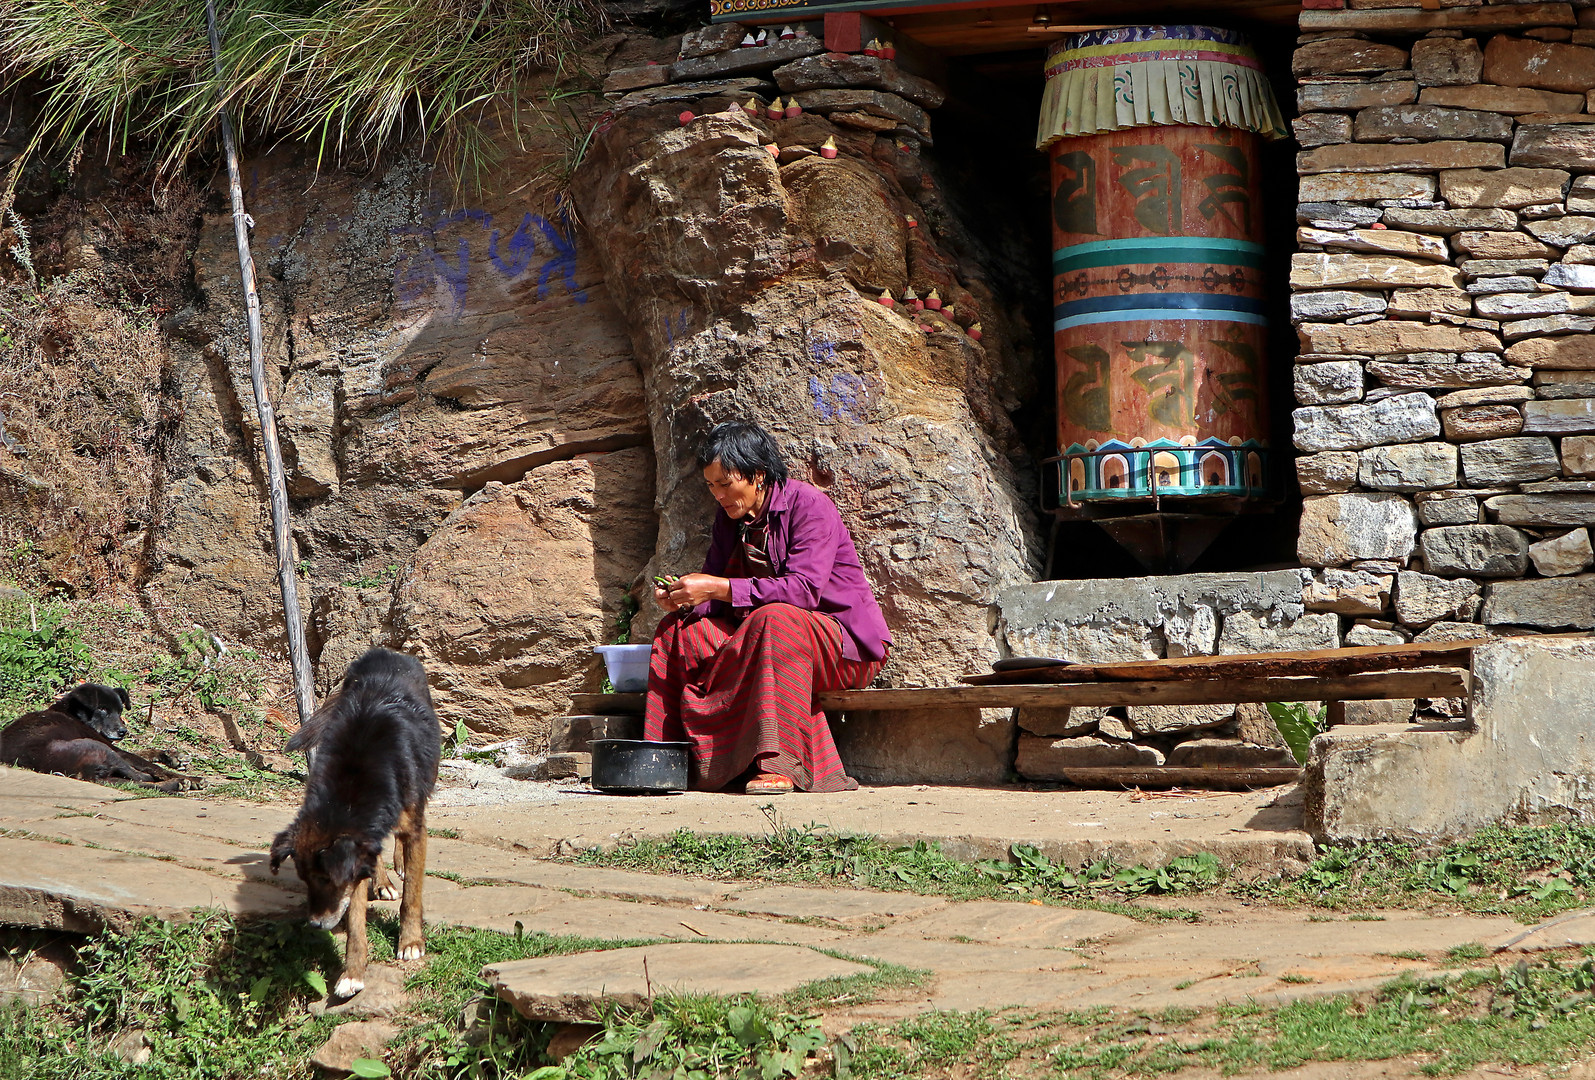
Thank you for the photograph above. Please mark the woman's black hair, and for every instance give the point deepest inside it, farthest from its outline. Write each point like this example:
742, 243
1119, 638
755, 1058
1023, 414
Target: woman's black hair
745, 449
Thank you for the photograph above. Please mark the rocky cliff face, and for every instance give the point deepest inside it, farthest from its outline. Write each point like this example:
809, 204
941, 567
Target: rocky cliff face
489, 413
749, 289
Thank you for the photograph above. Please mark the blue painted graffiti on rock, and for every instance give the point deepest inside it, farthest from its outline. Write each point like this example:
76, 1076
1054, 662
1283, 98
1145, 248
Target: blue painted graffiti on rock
447, 256
846, 399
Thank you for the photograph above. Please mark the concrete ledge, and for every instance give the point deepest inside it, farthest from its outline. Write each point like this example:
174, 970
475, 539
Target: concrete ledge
1529, 757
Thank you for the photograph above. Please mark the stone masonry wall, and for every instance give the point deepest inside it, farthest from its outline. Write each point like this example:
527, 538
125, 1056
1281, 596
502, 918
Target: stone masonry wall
1444, 290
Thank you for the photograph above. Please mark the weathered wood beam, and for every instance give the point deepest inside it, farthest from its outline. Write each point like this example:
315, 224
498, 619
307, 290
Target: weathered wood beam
1431, 683
298, 654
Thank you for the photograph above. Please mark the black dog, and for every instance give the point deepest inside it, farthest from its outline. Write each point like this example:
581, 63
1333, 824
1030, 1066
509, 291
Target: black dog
74, 737
377, 743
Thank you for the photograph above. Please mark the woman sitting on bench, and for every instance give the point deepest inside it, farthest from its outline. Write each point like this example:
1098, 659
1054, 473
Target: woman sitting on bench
780, 611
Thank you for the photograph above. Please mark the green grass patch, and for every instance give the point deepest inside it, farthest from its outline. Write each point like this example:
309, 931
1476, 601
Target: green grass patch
1527, 871
1527, 1016
213, 999
812, 854
702, 1036
975, 1043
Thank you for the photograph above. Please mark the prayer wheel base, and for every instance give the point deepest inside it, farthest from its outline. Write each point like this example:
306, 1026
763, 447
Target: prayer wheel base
1164, 535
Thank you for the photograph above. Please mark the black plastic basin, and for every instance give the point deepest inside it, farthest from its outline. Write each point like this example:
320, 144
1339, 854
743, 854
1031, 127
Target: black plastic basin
638, 767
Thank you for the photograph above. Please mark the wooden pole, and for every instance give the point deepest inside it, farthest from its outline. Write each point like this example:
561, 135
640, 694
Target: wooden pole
298, 655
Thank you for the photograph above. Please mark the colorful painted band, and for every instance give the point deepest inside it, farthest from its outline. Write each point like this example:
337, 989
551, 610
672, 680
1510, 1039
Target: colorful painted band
1119, 470
1159, 315
1158, 250
727, 10
1115, 35
1180, 301
1152, 56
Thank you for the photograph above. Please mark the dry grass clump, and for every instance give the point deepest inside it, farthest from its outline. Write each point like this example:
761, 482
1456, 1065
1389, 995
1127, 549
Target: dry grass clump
81, 390
85, 402
344, 76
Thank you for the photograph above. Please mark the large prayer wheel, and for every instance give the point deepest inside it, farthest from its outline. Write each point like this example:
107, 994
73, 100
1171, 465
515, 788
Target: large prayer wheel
1158, 319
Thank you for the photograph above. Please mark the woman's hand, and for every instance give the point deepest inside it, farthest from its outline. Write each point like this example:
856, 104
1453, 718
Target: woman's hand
691, 590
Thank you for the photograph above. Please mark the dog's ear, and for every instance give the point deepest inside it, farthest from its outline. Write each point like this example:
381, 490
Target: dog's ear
127, 702
73, 704
310, 731
283, 846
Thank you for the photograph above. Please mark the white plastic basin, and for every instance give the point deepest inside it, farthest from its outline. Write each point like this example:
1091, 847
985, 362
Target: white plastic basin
627, 665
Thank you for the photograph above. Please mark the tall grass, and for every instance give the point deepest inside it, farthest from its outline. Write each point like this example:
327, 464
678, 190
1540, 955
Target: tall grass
346, 77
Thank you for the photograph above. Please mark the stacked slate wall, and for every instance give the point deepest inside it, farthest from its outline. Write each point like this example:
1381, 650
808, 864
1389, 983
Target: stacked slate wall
1443, 288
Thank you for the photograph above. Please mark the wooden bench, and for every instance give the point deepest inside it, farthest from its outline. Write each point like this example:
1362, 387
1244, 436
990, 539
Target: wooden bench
1432, 671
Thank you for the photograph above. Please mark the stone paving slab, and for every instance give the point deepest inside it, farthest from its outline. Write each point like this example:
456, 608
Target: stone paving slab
477, 862
186, 849
994, 922
493, 907
250, 824
577, 988
621, 920
951, 957
843, 906
65, 887
1241, 828
23, 785
1573, 929
1242, 934
175, 855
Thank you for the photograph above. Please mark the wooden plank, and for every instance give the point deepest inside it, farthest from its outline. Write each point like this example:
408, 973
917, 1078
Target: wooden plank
1164, 776
1494, 17
607, 704
1425, 683
1315, 662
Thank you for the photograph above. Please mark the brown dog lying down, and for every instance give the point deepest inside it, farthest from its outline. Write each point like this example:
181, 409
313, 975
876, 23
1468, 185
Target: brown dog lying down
74, 737
377, 744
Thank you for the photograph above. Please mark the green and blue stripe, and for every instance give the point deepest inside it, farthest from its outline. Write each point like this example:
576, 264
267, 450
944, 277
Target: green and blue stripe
1146, 250
1158, 307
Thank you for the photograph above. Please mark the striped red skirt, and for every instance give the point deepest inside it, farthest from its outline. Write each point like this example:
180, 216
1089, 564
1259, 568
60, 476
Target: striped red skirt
743, 695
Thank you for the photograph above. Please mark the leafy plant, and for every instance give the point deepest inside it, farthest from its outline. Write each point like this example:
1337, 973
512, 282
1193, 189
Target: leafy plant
217, 676
1452, 873
1536, 991
22, 250
214, 999
623, 617
370, 579
1297, 723
41, 653
697, 1038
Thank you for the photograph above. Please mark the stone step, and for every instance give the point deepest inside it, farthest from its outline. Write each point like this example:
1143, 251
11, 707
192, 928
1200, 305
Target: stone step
584, 987
608, 704
574, 734
565, 766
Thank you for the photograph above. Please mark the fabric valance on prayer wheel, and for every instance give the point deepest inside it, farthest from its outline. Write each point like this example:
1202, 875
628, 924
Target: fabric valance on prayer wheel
1136, 76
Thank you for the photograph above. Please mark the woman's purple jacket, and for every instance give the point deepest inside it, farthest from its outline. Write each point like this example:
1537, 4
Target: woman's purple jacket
816, 568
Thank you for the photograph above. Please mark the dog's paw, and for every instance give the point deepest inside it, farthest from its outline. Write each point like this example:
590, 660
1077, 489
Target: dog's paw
411, 952
388, 891
347, 987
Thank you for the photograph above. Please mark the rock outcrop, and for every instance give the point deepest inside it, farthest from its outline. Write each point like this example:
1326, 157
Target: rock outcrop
488, 412
749, 288
455, 398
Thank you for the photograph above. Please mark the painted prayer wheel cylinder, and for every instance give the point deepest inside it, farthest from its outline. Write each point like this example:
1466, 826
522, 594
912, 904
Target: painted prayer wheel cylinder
1158, 320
